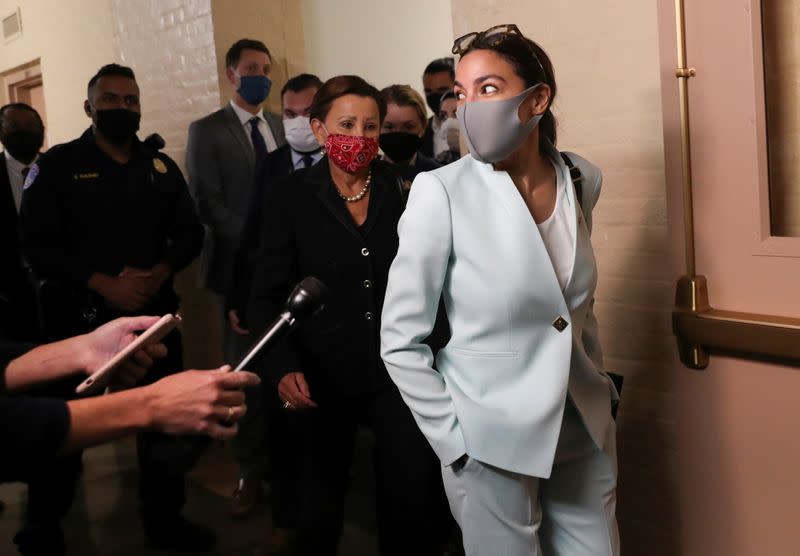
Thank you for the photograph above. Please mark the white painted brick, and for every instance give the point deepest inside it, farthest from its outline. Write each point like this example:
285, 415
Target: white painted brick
170, 46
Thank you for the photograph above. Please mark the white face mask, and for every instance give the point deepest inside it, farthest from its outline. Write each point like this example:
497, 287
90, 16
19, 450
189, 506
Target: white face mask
299, 135
449, 131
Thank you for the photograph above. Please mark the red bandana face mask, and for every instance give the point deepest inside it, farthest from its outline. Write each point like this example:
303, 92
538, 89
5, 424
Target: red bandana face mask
351, 153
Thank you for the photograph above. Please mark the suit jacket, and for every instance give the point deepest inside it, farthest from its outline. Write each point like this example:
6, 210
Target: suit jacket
519, 343
277, 166
307, 230
221, 167
18, 309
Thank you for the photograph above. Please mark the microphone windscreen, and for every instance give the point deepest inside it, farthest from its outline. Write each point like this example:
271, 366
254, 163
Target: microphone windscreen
307, 298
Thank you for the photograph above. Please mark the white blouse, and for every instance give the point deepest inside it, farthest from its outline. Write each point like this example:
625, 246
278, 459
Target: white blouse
557, 231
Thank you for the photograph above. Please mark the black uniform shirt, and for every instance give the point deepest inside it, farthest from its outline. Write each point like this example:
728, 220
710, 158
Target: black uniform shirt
83, 212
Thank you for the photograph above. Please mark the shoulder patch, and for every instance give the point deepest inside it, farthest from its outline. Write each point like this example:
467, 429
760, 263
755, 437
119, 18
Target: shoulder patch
33, 172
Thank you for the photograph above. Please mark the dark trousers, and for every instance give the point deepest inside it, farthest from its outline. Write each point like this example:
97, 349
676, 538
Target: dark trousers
248, 444
162, 466
411, 504
285, 450
163, 459
50, 496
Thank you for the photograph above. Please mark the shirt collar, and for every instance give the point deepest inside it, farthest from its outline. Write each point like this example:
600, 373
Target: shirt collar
15, 165
245, 116
297, 157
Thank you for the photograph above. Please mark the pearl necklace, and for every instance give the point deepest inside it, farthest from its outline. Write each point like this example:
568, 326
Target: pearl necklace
358, 196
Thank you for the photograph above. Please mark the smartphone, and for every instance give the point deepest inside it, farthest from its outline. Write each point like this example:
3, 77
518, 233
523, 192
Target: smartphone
102, 376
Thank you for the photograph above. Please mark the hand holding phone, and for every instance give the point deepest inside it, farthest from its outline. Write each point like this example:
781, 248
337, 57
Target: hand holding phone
105, 375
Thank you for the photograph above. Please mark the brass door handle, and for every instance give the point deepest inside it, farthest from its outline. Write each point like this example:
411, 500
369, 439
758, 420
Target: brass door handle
699, 328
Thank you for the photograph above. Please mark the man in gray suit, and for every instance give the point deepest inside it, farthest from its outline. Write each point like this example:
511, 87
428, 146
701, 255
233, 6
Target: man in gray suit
225, 150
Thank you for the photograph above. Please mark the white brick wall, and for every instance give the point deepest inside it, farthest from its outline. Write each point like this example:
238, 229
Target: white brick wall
170, 46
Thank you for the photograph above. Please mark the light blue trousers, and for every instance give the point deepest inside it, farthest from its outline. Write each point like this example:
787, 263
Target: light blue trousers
572, 513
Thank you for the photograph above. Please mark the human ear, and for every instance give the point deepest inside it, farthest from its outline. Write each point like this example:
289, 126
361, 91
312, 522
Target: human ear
537, 102
229, 73
541, 99
318, 128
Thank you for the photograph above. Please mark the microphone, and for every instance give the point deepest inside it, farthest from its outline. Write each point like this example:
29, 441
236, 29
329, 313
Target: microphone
307, 299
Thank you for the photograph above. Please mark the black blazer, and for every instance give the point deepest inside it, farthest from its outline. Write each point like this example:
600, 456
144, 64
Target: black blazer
18, 308
307, 230
277, 165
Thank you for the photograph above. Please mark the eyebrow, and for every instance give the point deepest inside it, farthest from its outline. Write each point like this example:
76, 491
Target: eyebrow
349, 117
483, 78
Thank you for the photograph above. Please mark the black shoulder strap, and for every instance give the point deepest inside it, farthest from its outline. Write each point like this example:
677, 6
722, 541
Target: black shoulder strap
577, 177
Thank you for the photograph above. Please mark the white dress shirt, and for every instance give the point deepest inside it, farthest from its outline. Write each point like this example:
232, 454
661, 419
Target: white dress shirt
266, 132
15, 177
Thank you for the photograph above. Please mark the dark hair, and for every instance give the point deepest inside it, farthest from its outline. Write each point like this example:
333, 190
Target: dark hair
19, 106
340, 86
440, 65
109, 69
301, 83
404, 95
522, 53
234, 53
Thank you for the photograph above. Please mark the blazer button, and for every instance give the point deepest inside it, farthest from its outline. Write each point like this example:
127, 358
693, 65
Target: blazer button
368, 315
365, 252
560, 324
367, 283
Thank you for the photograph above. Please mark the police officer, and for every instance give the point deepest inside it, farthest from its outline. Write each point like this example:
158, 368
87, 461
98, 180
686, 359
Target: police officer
110, 221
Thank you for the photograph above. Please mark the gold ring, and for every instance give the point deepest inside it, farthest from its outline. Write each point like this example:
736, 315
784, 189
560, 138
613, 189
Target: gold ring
229, 418
287, 404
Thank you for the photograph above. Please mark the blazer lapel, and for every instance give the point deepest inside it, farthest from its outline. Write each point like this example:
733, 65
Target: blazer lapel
275, 124
8, 209
237, 129
326, 193
576, 215
534, 253
377, 194
284, 161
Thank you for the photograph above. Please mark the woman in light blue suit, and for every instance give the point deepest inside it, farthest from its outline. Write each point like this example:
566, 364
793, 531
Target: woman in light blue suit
518, 407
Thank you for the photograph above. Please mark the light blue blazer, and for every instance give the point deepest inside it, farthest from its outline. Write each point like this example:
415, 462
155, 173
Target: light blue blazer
502, 379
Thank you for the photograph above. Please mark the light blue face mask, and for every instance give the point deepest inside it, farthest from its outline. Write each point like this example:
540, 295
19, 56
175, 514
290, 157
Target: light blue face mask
492, 128
254, 89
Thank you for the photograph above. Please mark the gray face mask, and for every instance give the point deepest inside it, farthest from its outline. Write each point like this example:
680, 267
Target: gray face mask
492, 128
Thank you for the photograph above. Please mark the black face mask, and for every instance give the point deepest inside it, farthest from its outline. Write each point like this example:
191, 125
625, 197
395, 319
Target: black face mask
400, 146
434, 100
118, 125
23, 145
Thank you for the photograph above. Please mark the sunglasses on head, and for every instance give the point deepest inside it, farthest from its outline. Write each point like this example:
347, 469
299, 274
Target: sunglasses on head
492, 37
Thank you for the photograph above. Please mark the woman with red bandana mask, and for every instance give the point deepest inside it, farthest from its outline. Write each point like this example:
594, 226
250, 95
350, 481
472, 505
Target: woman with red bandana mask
338, 221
